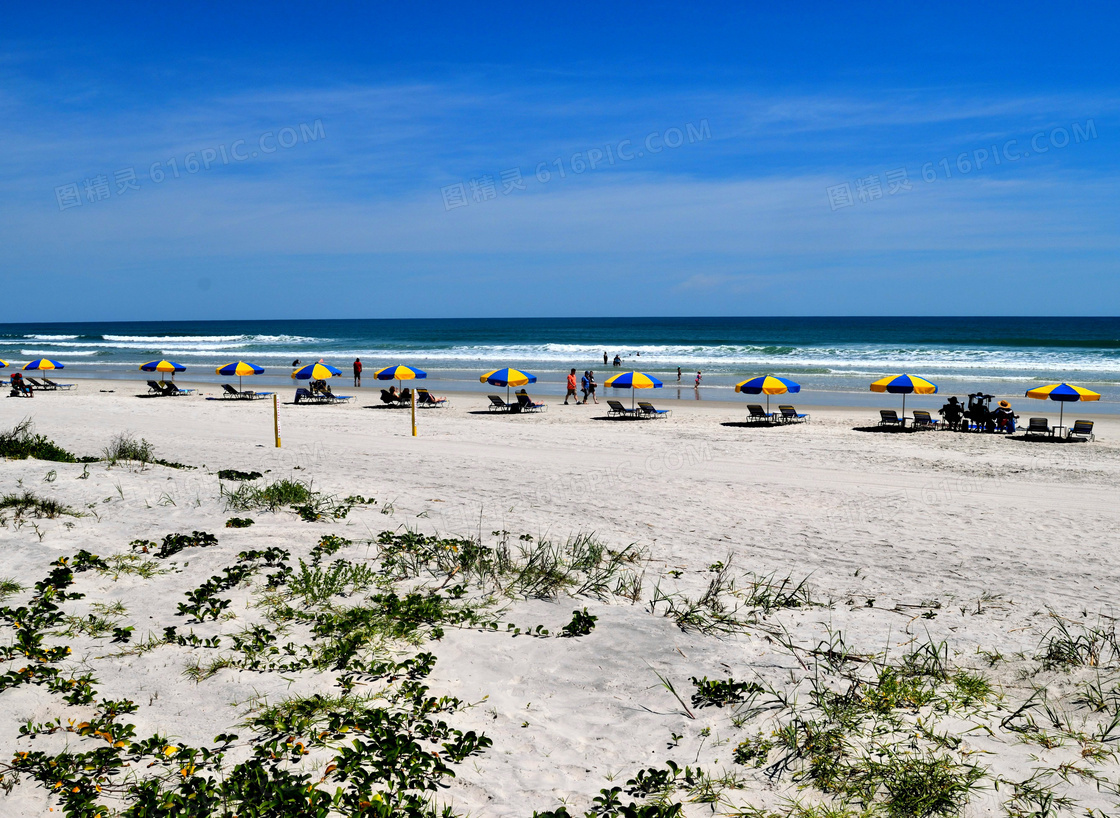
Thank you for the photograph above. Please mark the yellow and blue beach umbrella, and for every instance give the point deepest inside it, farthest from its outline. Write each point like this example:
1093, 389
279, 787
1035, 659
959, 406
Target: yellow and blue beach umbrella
3, 364
1063, 392
904, 385
767, 385
399, 373
508, 377
315, 372
43, 364
632, 381
240, 369
162, 366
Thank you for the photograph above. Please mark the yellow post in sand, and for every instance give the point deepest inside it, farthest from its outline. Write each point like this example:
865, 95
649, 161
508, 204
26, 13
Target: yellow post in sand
412, 392
276, 419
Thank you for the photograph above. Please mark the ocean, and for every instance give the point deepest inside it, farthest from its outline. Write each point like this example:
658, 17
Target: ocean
833, 358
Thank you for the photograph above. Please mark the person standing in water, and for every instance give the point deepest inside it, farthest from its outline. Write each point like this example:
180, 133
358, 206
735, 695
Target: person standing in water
357, 372
697, 379
678, 374
604, 357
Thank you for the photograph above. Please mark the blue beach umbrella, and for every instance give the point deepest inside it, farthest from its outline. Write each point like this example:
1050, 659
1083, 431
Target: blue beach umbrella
240, 369
767, 385
43, 364
1063, 393
315, 372
399, 373
507, 377
904, 385
632, 381
162, 366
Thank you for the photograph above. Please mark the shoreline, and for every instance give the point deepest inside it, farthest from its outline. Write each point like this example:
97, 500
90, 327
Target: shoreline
676, 397
973, 542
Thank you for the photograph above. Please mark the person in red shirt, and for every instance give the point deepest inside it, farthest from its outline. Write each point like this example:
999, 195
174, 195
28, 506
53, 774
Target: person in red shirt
357, 372
571, 393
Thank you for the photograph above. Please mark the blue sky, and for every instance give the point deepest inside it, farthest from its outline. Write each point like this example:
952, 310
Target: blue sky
767, 159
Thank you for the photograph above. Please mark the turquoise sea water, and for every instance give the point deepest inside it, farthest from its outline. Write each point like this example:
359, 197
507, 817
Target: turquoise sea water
832, 356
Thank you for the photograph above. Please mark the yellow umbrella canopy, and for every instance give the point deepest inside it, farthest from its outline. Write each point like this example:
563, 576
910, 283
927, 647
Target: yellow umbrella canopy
1063, 393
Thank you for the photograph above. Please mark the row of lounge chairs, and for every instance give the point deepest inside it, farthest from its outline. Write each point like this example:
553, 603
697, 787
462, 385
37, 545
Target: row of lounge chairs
1036, 427
921, 420
320, 396
643, 410
166, 389
424, 398
523, 404
1040, 427
785, 414
47, 385
229, 393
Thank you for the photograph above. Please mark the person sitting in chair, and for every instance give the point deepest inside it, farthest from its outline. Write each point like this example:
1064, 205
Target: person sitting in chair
20, 387
952, 412
1004, 417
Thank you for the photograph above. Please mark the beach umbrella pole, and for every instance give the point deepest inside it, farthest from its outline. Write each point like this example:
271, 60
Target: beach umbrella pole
413, 394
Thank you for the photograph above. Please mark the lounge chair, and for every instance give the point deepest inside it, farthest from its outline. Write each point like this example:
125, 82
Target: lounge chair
922, 420
41, 387
1038, 427
18, 390
499, 405
1081, 428
425, 398
307, 396
172, 390
647, 410
756, 414
389, 399
617, 410
155, 389
889, 417
789, 415
229, 393
54, 385
527, 404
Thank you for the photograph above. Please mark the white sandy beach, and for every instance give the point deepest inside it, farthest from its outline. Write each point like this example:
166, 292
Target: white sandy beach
983, 534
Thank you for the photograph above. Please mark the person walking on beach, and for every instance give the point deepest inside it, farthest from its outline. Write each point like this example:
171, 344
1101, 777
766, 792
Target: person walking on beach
697, 385
591, 387
571, 393
583, 385
357, 372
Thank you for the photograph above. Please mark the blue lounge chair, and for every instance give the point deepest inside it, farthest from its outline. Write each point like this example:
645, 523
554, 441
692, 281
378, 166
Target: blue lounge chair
756, 414
425, 398
527, 404
647, 410
790, 415
922, 420
889, 417
1081, 428
617, 410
